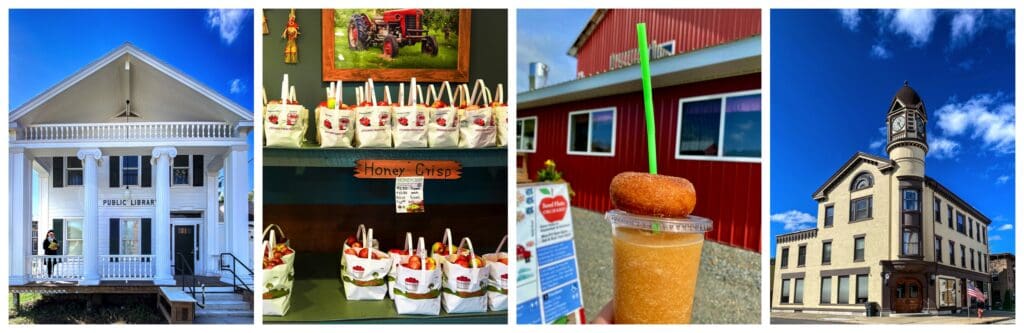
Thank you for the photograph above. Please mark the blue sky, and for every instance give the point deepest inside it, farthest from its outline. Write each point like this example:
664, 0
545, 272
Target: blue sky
214, 47
545, 35
834, 73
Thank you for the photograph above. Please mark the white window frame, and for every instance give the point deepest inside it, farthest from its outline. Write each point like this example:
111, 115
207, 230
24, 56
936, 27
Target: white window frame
590, 132
138, 168
519, 135
120, 234
66, 240
67, 172
721, 128
189, 178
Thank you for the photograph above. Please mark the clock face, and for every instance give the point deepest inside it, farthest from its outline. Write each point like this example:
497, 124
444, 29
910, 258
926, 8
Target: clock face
898, 124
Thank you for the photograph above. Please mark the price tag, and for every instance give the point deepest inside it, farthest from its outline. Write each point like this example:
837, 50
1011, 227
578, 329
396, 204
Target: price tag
408, 195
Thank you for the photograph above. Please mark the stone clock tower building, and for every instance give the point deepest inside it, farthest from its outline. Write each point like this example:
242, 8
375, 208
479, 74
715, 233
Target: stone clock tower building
888, 235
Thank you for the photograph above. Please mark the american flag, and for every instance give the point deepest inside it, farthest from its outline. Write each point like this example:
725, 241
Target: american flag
974, 292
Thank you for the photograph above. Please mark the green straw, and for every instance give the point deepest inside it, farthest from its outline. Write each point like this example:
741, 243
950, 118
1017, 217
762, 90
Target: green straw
645, 70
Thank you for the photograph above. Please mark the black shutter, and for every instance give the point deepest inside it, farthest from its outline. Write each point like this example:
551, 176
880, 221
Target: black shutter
147, 236
197, 170
115, 236
58, 172
147, 172
115, 172
58, 234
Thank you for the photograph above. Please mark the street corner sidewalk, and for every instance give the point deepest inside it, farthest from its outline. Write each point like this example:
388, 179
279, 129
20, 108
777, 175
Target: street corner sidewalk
990, 317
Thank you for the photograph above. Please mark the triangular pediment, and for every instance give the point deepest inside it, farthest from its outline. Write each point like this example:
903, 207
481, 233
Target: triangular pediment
158, 93
859, 158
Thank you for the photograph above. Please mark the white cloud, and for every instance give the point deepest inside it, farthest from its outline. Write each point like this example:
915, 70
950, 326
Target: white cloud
1005, 227
1003, 179
965, 24
794, 220
882, 138
995, 238
915, 23
987, 117
237, 86
851, 18
228, 21
879, 51
942, 148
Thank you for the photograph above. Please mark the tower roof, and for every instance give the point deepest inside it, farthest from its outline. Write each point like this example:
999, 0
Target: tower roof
908, 96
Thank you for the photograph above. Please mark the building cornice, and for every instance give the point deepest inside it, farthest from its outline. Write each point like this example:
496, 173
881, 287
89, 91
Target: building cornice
883, 165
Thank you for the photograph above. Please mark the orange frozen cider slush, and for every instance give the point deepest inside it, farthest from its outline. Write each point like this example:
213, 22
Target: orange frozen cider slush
656, 248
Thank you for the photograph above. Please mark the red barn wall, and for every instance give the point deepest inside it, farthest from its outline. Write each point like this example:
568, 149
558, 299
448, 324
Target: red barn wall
692, 29
729, 193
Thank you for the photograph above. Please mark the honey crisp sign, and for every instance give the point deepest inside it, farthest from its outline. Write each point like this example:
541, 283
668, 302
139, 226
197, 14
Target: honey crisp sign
390, 169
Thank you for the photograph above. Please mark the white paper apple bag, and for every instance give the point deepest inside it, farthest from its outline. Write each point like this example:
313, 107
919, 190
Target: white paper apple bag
464, 280
410, 119
285, 121
373, 121
400, 256
335, 124
365, 273
417, 289
497, 280
278, 272
440, 250
476, 122
500, 115
443, 124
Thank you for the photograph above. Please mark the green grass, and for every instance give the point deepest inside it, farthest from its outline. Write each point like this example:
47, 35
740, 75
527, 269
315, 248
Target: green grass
73, 309
408, 56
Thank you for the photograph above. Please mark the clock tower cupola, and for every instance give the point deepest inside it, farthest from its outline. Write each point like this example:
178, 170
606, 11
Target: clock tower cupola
907, 130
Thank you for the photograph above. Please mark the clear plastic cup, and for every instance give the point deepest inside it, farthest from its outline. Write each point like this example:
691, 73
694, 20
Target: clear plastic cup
656, 261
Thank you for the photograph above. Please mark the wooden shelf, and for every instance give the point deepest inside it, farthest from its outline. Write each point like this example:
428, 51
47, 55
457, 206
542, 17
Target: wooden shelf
314, 156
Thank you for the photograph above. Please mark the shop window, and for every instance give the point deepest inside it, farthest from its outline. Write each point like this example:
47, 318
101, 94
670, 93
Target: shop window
74, 170
798, 294
860, 209
180, 170
843, 297
826, 290
862, 288
130, 170
592, 132
720, 127
526, 134
784, 298
947, 292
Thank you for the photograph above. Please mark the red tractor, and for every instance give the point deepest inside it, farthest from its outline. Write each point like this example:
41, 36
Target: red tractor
393, 30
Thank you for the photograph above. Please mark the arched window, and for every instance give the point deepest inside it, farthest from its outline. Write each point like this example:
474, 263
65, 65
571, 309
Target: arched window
862, 181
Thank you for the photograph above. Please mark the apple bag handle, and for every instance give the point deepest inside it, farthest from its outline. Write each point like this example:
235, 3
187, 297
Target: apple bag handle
501, 245
467, 244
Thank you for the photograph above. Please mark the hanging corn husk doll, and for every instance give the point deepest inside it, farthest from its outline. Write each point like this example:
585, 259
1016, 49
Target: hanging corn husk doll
291, 33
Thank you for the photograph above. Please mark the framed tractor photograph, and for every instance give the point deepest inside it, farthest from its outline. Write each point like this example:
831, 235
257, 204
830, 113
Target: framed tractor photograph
431, 45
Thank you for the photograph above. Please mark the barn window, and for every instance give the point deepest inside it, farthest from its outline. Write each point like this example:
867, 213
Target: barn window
592, 132
526, 134
720, 127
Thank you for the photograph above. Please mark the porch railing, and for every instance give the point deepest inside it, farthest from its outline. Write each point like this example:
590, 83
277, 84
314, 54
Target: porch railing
56, 268
127, 267
140, 131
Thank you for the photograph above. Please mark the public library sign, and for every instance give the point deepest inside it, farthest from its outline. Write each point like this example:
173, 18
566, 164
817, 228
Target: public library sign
127, 202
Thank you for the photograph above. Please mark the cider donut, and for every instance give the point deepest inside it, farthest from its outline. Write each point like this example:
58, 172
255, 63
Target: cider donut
653, 195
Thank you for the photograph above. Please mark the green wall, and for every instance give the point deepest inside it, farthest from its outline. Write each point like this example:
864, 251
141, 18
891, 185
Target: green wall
488, 55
